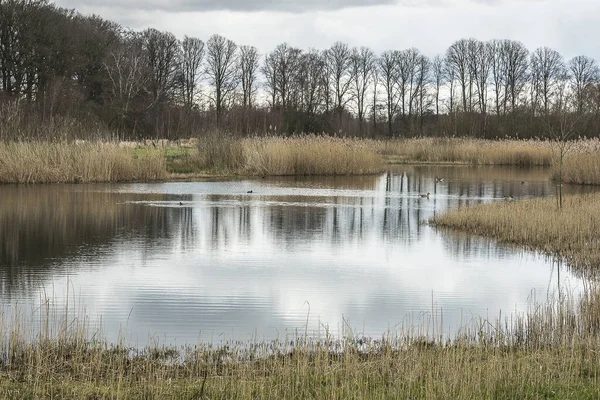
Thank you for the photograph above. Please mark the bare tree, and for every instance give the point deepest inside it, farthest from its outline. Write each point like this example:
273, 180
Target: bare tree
388, 70
311, 68
457, 60
374, 107
285, 59
562, 125
547, 69
221, 64
128, 75
162, 54
498, 70
420, 97
517, 70
268, 70
437, 69
410, 64
450, 78
248, 70
339, 59
363, 63
482, 65
191, 63
584, 72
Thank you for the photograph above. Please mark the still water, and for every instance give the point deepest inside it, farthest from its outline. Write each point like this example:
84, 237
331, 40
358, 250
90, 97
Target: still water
183, 262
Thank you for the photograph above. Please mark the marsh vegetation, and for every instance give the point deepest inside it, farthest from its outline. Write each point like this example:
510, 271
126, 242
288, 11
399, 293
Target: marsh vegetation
551, 351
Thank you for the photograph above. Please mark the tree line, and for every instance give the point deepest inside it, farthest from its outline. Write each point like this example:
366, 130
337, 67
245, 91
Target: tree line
58, 64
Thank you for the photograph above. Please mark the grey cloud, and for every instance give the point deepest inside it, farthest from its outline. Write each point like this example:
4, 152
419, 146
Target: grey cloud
293, 6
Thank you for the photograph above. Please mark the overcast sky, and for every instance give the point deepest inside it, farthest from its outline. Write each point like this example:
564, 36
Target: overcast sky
569, 26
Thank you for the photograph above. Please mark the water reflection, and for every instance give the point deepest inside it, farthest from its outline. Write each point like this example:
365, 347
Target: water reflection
207, 260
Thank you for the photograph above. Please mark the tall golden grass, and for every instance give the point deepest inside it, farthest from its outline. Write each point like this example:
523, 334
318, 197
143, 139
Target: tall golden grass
44, 162
297, 155
570, 232
468, 151
552, 350
223, 154
581, 164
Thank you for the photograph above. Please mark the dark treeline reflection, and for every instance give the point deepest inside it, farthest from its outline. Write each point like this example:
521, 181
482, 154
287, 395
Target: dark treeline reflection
385, 208
42, 226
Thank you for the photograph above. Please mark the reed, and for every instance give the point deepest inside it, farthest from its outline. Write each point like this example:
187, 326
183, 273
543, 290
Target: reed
45, 162
469, 151
582, 166
297, 155
551, 350
224, 154
570, 232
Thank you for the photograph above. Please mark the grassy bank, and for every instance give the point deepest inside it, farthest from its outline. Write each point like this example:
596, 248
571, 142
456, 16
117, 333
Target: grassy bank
570, 232
226, 155
552, 351
39, 162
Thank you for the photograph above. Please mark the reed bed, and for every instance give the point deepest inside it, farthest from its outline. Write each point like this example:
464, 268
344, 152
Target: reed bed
551, 351
297, 155
469, 151
582, 163
46, 162
224, 154
570, 232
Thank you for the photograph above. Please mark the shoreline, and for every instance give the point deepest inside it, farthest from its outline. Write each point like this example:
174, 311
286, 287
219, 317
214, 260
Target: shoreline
552, 350
225, 156
486, 359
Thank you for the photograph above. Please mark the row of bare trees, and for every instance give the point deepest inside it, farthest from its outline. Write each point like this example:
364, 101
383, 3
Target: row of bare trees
58, 63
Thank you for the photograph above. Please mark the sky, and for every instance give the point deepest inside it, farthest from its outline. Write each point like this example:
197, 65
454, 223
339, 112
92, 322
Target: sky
570, 26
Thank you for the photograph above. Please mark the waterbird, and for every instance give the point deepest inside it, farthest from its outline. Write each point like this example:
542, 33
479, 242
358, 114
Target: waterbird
249, 191
437, 179
180, 203
425, 195
522, 182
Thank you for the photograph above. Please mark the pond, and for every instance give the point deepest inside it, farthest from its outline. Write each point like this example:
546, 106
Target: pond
184, 262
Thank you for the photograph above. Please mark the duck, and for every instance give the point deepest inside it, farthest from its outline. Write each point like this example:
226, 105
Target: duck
425, 196
180, 203
249, 191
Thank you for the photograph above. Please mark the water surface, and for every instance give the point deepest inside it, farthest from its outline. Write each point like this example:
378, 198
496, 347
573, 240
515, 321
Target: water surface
183, 262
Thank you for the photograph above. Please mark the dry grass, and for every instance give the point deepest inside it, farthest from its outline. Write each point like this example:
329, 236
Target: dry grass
582, 163
298, 155
222, 154
43, 162
469, 151
570, 232
551, 351
581, 169
581, 166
